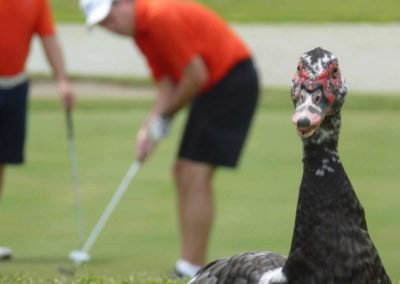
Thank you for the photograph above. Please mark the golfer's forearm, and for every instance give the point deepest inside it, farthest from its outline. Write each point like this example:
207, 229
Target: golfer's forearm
54, 57
184, 93
194, 77
165, 91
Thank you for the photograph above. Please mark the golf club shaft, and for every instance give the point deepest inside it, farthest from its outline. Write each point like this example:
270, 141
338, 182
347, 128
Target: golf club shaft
111, 206
75, 177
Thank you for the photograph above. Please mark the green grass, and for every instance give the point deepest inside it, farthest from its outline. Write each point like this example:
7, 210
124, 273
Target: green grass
278, 11
37, 214
133, 279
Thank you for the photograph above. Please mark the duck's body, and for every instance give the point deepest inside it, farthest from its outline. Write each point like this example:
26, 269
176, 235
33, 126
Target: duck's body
330, 243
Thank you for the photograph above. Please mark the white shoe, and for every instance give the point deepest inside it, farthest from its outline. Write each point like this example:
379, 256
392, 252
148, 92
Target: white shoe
184, 268
5, 253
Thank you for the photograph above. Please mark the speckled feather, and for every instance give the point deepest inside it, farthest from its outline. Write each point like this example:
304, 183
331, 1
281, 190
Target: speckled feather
245, 268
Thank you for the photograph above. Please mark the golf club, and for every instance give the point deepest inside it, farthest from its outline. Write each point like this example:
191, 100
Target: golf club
82, 255
75, 177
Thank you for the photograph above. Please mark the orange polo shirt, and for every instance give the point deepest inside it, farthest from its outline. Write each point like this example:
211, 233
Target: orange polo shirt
19, 21
171, 32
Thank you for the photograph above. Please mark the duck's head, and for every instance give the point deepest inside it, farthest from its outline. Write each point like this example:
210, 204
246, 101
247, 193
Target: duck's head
318, 91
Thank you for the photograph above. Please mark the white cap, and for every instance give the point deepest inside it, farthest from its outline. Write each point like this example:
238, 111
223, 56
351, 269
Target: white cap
95, 10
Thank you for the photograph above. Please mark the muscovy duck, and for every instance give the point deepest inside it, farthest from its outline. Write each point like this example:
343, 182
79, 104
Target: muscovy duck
330, 242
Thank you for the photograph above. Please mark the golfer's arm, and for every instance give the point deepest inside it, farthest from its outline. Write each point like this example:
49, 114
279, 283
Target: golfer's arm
194, 76
165, 92
54, 56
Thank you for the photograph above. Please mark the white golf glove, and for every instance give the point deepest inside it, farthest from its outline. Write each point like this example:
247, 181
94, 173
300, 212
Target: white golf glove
159, 127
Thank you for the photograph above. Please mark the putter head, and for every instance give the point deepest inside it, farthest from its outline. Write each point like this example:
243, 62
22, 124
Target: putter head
67, 271
79, 256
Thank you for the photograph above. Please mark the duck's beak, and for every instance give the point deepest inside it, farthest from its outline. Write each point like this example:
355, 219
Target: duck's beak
307, 117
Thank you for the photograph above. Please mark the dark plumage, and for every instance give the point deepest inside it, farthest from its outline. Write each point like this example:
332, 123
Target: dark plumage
330, 241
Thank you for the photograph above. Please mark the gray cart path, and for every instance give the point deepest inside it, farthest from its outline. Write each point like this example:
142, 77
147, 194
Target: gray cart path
369, 55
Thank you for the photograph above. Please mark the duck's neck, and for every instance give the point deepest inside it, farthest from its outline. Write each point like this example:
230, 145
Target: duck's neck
325, 191
330, 219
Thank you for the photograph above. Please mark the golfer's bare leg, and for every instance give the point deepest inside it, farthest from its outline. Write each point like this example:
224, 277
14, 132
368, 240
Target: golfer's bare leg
5, 252
2, 167
195, 208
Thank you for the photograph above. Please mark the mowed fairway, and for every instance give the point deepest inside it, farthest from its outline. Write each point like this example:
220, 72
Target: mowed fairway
276, 11
255, 204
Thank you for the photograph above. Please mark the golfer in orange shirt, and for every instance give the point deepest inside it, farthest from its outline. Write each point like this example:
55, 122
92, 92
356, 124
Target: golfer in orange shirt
196, 59
20, 20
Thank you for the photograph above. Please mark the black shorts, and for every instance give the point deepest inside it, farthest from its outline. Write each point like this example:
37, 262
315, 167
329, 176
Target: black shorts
219, 119
13, 104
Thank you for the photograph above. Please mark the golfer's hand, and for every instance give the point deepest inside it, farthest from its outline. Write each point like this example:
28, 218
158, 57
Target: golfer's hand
150, 135
144, 144
67, 94
159, 127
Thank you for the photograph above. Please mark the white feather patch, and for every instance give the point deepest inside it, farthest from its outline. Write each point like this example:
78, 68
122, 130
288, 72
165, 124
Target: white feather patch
273, 276
192, 280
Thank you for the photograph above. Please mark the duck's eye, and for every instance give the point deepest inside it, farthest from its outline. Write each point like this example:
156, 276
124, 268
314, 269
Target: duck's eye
317, 97
302, 97
335, 72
